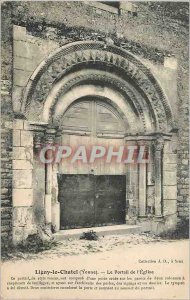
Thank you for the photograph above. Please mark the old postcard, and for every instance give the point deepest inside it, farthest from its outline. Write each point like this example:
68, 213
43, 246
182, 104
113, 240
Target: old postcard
94, 159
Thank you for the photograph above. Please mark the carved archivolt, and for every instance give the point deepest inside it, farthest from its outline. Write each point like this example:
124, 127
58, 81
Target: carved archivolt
102, 78
81, 55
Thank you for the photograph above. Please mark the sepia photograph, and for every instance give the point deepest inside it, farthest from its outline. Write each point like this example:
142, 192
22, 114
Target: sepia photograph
94, 150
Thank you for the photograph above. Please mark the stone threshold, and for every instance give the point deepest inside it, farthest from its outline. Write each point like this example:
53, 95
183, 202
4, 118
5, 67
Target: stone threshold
100, 231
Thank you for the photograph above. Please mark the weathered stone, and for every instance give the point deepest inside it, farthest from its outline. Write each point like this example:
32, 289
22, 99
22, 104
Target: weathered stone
22, 197
169, 178
184, 191
26, 138
185, 173
19, 33
22, 165
16, 137
185, 161
48, 212
20, 233
180, 199
128, 6
6, 203
6, 182
25, 64
185, 186
17, 97
170, 62
169, 207
23, 216
4, 191
21, 77
170, 147
5, 222
56, 216
22, 48
25, 153
170, 158
18, 124
170, 192
8, 124
22, 179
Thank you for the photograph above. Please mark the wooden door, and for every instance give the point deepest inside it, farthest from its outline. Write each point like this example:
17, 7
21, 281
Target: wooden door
88, 200
110, 193
76, 197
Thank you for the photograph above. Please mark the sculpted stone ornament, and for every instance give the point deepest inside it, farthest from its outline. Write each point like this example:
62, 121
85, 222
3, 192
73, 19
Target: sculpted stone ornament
50, 136
38, 139
115, 83
75, 54
159, 144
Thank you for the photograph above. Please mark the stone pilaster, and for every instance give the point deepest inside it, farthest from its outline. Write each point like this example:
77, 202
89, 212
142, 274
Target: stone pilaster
55, 202
170, 180
22, 192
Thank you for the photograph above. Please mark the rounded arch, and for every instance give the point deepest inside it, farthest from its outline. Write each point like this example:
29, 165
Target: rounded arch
100, 81
114, 98
94, 112
81, 55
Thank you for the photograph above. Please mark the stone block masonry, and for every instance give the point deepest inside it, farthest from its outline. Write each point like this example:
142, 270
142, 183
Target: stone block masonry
6, 184
22, 192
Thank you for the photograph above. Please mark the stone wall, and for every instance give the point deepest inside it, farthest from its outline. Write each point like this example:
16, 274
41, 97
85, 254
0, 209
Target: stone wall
6, 181
6, 129
156, 33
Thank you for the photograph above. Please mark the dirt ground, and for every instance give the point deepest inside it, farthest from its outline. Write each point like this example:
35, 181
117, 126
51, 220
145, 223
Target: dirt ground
141, 253
103, 245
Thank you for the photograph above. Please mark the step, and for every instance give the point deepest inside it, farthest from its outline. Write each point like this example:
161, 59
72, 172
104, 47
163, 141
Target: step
100, 231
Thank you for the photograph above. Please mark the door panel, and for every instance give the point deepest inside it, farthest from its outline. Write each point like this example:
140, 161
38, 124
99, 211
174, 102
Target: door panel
88, 200
110, 193
76, 196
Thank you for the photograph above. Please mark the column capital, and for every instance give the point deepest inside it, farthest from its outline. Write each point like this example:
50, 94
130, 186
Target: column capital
158, 143
38, 139
50, 134
143, 142
58, 135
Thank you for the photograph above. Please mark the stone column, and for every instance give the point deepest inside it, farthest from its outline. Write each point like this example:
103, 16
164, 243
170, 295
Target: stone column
55, 202
142, 167
131, 188
49, 140
158, 152
150, 182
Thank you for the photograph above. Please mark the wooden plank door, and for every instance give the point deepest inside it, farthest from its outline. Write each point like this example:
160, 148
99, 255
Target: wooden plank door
110, 193
76, 196
88, 200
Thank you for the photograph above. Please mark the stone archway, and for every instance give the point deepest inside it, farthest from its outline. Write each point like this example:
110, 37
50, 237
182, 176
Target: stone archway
84, 55
91, 69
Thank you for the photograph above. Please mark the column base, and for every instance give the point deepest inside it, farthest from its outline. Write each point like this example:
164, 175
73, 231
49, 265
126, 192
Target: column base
47, 207
159, 217
56, 216
23, 223
142, 217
